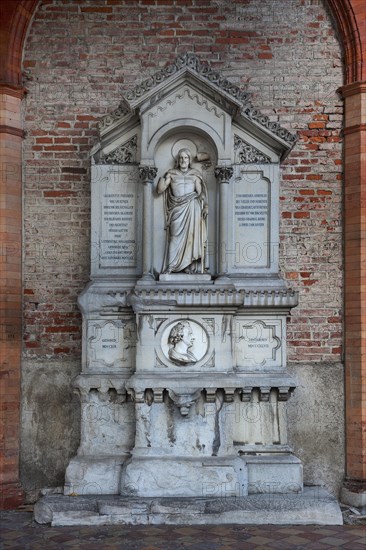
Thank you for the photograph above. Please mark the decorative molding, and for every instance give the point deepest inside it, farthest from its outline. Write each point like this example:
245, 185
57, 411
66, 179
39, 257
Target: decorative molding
354, 88
148, 173
124, 154
246, 154
6, 129
184, 401
274, 127
14, 91
223, 173
149, 297
119, 113
204, 71
193, 96
158, 322
355, 129
192, 62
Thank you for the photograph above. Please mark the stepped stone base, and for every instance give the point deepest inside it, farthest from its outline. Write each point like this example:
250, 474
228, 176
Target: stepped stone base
314, 506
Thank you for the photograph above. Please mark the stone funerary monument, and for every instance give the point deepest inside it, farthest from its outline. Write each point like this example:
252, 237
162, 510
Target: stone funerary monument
184, 383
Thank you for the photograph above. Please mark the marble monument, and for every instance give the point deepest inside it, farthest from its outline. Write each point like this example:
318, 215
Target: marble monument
184, 384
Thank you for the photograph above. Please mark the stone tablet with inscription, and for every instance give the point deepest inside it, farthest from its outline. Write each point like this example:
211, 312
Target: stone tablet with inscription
115, 227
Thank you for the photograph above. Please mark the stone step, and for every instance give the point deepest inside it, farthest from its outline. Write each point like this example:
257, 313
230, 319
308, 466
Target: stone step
314, 506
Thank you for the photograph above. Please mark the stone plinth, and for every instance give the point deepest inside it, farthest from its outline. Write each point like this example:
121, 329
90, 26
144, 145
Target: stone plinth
314, 506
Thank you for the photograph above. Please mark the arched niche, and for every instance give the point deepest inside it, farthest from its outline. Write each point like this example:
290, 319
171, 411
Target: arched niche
201, 146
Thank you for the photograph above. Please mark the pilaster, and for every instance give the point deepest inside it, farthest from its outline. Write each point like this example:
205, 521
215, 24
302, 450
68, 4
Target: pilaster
355, 290
11, 135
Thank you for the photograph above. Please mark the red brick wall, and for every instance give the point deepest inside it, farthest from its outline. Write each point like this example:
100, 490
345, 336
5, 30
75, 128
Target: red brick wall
82, 56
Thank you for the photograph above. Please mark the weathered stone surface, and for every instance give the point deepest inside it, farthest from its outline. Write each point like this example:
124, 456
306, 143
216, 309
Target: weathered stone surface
314, 506
50, 419
184, 477
316, 413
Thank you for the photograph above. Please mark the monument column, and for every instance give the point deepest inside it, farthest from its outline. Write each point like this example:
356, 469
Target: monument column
223, 174
147, 175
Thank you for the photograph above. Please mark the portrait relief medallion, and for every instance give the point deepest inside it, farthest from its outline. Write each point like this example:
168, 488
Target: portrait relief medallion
184, 342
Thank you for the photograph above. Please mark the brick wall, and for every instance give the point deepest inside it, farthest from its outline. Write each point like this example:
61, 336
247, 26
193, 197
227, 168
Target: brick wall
81, 57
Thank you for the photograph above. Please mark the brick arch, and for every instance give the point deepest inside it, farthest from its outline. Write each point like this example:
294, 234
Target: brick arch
349, 16
16, 16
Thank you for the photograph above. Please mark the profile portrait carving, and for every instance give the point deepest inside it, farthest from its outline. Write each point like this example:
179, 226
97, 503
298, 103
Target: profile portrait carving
180, 342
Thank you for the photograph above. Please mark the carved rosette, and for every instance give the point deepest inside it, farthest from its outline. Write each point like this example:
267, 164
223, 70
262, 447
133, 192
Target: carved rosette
223, 173
246, 154
124, 154
147, 173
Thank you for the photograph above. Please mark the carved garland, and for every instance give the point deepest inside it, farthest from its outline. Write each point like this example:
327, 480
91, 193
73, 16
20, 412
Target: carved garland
246, 154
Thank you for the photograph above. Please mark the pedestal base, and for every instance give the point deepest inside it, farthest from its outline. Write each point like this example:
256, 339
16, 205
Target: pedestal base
312, 507
184, 477
86, 475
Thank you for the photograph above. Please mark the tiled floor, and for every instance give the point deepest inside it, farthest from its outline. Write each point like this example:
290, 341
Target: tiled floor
18, 531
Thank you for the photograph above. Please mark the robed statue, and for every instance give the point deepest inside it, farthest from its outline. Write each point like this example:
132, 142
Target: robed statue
186, 207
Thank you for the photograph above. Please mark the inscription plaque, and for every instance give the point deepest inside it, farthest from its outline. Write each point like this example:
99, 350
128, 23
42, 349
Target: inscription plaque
110, 343
251, 199
117, 214
259, 343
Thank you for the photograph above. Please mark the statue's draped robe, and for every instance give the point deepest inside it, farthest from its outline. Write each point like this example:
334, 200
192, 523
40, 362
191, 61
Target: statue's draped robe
186, 227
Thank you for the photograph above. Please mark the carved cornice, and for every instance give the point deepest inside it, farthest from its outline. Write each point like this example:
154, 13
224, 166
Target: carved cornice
121, 111
124, 154
246, 154
223, 173
147, 173
191, 61
205, 72
274, 127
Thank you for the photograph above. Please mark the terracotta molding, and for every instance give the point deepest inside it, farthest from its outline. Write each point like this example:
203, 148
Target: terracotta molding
357, 128
16, 15
5, 129
14, 91
353, 88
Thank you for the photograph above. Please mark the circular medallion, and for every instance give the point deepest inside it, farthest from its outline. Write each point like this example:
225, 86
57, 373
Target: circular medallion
184, 342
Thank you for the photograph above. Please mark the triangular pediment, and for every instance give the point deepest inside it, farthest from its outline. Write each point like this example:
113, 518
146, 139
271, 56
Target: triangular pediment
180, 84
